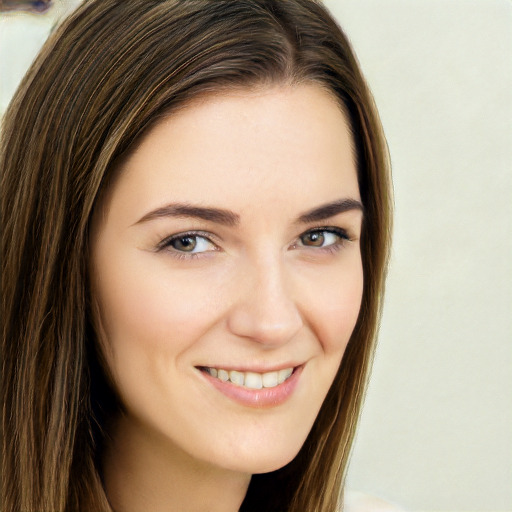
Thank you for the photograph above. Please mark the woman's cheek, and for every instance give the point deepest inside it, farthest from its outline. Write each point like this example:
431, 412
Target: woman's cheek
336, 309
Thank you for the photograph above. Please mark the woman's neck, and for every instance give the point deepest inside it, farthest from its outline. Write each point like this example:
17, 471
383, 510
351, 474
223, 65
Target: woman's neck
142, 471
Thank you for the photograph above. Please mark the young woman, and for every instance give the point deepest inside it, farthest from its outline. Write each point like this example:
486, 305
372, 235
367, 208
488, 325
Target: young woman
196, 222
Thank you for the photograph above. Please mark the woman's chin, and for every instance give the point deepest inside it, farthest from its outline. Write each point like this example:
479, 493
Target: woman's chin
262, 462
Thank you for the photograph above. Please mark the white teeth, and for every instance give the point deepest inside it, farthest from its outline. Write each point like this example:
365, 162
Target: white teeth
284, 374
223, 375
236, 377
251, 380
270, 379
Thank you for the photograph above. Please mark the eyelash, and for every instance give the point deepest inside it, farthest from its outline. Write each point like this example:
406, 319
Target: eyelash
166, 244
343, 238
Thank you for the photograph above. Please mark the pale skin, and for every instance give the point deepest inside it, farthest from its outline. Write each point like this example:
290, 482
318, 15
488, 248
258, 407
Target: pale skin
261, 187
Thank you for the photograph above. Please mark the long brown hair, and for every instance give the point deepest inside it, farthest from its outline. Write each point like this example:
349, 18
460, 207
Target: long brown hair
110, 71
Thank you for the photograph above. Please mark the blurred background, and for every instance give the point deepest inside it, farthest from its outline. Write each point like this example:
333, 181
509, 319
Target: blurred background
436, 431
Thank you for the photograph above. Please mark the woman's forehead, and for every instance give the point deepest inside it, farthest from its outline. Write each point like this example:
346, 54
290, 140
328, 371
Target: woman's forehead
240, 149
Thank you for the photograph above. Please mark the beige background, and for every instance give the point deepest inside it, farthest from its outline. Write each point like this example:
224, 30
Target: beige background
436, 432
437, 429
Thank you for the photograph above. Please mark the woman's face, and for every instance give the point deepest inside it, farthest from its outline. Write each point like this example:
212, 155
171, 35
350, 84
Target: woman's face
228, 248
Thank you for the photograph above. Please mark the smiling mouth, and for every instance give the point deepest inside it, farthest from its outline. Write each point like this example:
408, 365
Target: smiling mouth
250, 380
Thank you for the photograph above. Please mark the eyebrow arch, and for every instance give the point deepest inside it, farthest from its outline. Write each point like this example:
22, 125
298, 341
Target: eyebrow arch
217, 215
229, 218
329, 210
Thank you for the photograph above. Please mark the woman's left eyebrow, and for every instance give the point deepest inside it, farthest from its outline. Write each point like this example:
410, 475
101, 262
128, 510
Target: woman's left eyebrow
329, 210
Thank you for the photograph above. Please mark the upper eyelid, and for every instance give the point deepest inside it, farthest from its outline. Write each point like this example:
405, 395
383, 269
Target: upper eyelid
325, 228
330, 229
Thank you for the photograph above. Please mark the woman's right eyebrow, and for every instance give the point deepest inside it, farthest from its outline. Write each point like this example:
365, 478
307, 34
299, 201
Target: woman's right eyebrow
185, 210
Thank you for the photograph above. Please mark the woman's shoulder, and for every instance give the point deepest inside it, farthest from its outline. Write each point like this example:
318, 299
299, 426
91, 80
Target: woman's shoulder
359, 502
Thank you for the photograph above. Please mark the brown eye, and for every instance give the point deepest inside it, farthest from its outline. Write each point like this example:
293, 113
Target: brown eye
324, 238
188, 243
184, 243
313, 239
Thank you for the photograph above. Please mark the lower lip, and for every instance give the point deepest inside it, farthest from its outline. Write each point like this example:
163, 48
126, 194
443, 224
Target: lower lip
261, 398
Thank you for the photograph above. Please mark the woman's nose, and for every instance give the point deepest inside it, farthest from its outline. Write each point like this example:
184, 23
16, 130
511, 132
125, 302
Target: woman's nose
265, 310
